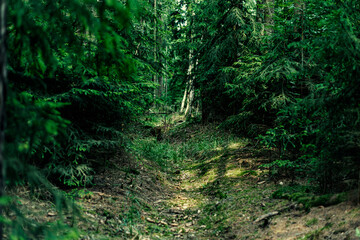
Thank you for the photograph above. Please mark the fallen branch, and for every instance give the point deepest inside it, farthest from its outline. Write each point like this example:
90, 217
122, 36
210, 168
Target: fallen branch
267, 216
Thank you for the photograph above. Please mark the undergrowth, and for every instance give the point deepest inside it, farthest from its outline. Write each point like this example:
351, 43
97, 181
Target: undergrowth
308, 197
186, 142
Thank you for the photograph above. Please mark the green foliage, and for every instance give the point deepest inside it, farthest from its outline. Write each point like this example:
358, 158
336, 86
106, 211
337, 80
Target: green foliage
282, 168
238, 123
321, 124
298, 82
357, 232
79, 71
19, 223
278, 138
288, 77
161, 153
74, 88
48, 231
197, 143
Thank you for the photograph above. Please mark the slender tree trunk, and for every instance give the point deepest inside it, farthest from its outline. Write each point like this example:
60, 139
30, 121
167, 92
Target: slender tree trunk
160, 59
3, 84
155, 47
189, 91
165, 84
190, 97
268, 19
264, 15
161, 85
299, 29
182, 108
260, 14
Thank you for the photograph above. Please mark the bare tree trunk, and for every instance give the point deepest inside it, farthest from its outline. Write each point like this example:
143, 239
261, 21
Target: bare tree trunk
189, 91
161, 85
182, 108
190, 97
155, 47
3, 84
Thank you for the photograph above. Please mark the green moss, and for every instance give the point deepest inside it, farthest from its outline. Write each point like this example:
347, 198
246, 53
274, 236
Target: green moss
306, 196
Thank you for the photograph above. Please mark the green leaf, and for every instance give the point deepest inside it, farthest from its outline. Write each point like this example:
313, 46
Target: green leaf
5, 200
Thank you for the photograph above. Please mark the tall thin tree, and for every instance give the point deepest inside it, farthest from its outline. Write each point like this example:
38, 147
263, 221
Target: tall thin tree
3, 80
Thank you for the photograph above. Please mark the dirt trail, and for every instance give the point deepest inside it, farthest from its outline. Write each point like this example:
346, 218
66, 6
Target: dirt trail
217, 193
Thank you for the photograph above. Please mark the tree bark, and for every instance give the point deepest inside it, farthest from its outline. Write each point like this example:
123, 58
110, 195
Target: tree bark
3, 85
190, 96
182, 107
165, 84
155, 48
269, 12
299, 13
264, 15
190, 100
260, 14
161, 85
189, 91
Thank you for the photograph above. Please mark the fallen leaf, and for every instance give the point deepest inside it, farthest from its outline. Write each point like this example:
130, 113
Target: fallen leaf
52, 214
163, 223
150, 220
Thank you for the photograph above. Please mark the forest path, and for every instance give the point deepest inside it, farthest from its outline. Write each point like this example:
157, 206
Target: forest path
200, 183
216, 191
